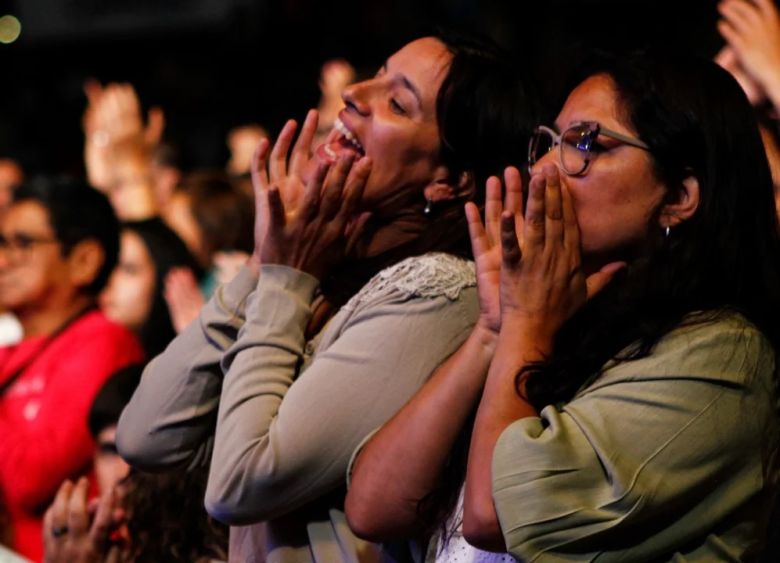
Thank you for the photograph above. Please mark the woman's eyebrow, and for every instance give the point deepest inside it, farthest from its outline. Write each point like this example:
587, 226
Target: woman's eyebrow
404, 80
410, 86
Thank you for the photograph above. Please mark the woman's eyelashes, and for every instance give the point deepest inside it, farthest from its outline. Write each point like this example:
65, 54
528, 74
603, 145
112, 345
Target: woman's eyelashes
396, 107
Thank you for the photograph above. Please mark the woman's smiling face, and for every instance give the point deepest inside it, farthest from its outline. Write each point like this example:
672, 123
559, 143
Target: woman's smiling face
392, 119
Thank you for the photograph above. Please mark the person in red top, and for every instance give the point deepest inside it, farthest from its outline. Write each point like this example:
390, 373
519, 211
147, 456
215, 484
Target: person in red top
58, 244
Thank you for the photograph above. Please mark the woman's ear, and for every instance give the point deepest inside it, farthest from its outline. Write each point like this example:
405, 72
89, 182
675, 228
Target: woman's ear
85, 260
446, 187
684, 205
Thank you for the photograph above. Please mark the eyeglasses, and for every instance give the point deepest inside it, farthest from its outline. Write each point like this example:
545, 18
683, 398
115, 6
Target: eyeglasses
19, 246
577, 145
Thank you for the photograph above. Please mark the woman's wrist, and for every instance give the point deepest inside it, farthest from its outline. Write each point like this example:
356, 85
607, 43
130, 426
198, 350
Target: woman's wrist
485, 336
254, 263
528, 334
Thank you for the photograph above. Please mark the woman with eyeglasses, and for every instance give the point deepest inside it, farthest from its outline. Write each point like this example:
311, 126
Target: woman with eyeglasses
623, 369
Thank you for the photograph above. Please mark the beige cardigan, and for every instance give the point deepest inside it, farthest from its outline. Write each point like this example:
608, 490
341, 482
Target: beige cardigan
287, 414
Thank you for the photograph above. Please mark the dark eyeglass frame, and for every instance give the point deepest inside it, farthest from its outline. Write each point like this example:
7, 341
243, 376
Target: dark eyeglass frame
589, 132
22, 243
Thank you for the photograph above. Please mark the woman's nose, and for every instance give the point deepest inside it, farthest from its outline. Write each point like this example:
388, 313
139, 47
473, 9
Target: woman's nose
357, 97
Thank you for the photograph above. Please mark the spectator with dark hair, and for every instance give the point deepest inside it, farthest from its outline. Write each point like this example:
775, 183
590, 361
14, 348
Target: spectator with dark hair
626, 388
215, 218
293, 385
104, 413
149, 250
210, 214
58, 244
140, 516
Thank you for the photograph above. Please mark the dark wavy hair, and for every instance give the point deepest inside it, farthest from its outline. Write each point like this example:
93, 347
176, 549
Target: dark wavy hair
224, 214
486, 109
725, 258
77, 212
167, 520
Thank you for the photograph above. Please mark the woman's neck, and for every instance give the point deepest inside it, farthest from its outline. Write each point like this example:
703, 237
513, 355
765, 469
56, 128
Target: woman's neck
386, 237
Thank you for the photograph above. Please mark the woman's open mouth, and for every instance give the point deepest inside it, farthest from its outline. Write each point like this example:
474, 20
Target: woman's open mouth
341, 140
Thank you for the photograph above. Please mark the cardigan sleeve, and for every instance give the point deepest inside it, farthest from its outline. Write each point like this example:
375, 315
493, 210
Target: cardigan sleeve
172, 414
655, 454
285, 439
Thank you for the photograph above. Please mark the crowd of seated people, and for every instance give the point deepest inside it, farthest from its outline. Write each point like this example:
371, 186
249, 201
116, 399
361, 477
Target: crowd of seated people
433, 321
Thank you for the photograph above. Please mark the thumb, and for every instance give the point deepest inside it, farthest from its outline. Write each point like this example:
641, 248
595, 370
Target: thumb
598, 281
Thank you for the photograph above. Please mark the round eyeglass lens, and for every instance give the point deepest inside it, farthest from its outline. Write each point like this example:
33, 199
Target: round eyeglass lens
576, 143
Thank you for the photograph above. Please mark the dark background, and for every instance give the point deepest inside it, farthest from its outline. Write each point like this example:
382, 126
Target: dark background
213, 64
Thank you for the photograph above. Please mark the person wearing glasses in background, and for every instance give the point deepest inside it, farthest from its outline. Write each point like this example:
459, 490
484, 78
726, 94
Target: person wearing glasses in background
623, 369
58, 244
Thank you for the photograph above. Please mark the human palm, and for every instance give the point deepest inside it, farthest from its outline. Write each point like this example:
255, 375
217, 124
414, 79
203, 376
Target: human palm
486, 241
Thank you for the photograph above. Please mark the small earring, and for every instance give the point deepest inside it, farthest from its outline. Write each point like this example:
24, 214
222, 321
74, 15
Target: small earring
428, 207
667, 231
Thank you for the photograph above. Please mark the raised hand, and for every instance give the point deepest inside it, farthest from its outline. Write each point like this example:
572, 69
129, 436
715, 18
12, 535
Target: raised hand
542, 280
114, 130
305, 222
289, 179
183, 297
486, 241
752, 31
727, 58
320, 231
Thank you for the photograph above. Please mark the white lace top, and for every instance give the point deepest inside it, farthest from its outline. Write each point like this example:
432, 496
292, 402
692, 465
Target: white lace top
457, 549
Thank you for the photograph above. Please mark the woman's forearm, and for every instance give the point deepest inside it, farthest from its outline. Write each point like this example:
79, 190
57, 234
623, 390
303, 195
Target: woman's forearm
502, 404
411, 449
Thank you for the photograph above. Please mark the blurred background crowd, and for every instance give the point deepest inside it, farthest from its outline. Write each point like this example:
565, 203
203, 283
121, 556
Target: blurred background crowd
160, 105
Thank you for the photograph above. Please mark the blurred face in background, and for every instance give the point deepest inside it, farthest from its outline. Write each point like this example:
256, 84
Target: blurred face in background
128, 297
110, 468
34, 273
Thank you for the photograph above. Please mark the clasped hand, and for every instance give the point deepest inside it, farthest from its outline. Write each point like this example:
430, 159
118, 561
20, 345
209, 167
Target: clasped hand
529, 265
306, 213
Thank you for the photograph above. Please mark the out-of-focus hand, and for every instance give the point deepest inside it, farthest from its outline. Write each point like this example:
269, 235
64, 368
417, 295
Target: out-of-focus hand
727, 58
486, 241
114, 128
336, 75
752, 30
183, 297
76, 531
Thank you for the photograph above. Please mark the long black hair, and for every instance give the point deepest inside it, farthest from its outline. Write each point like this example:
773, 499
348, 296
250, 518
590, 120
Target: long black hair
725, 258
